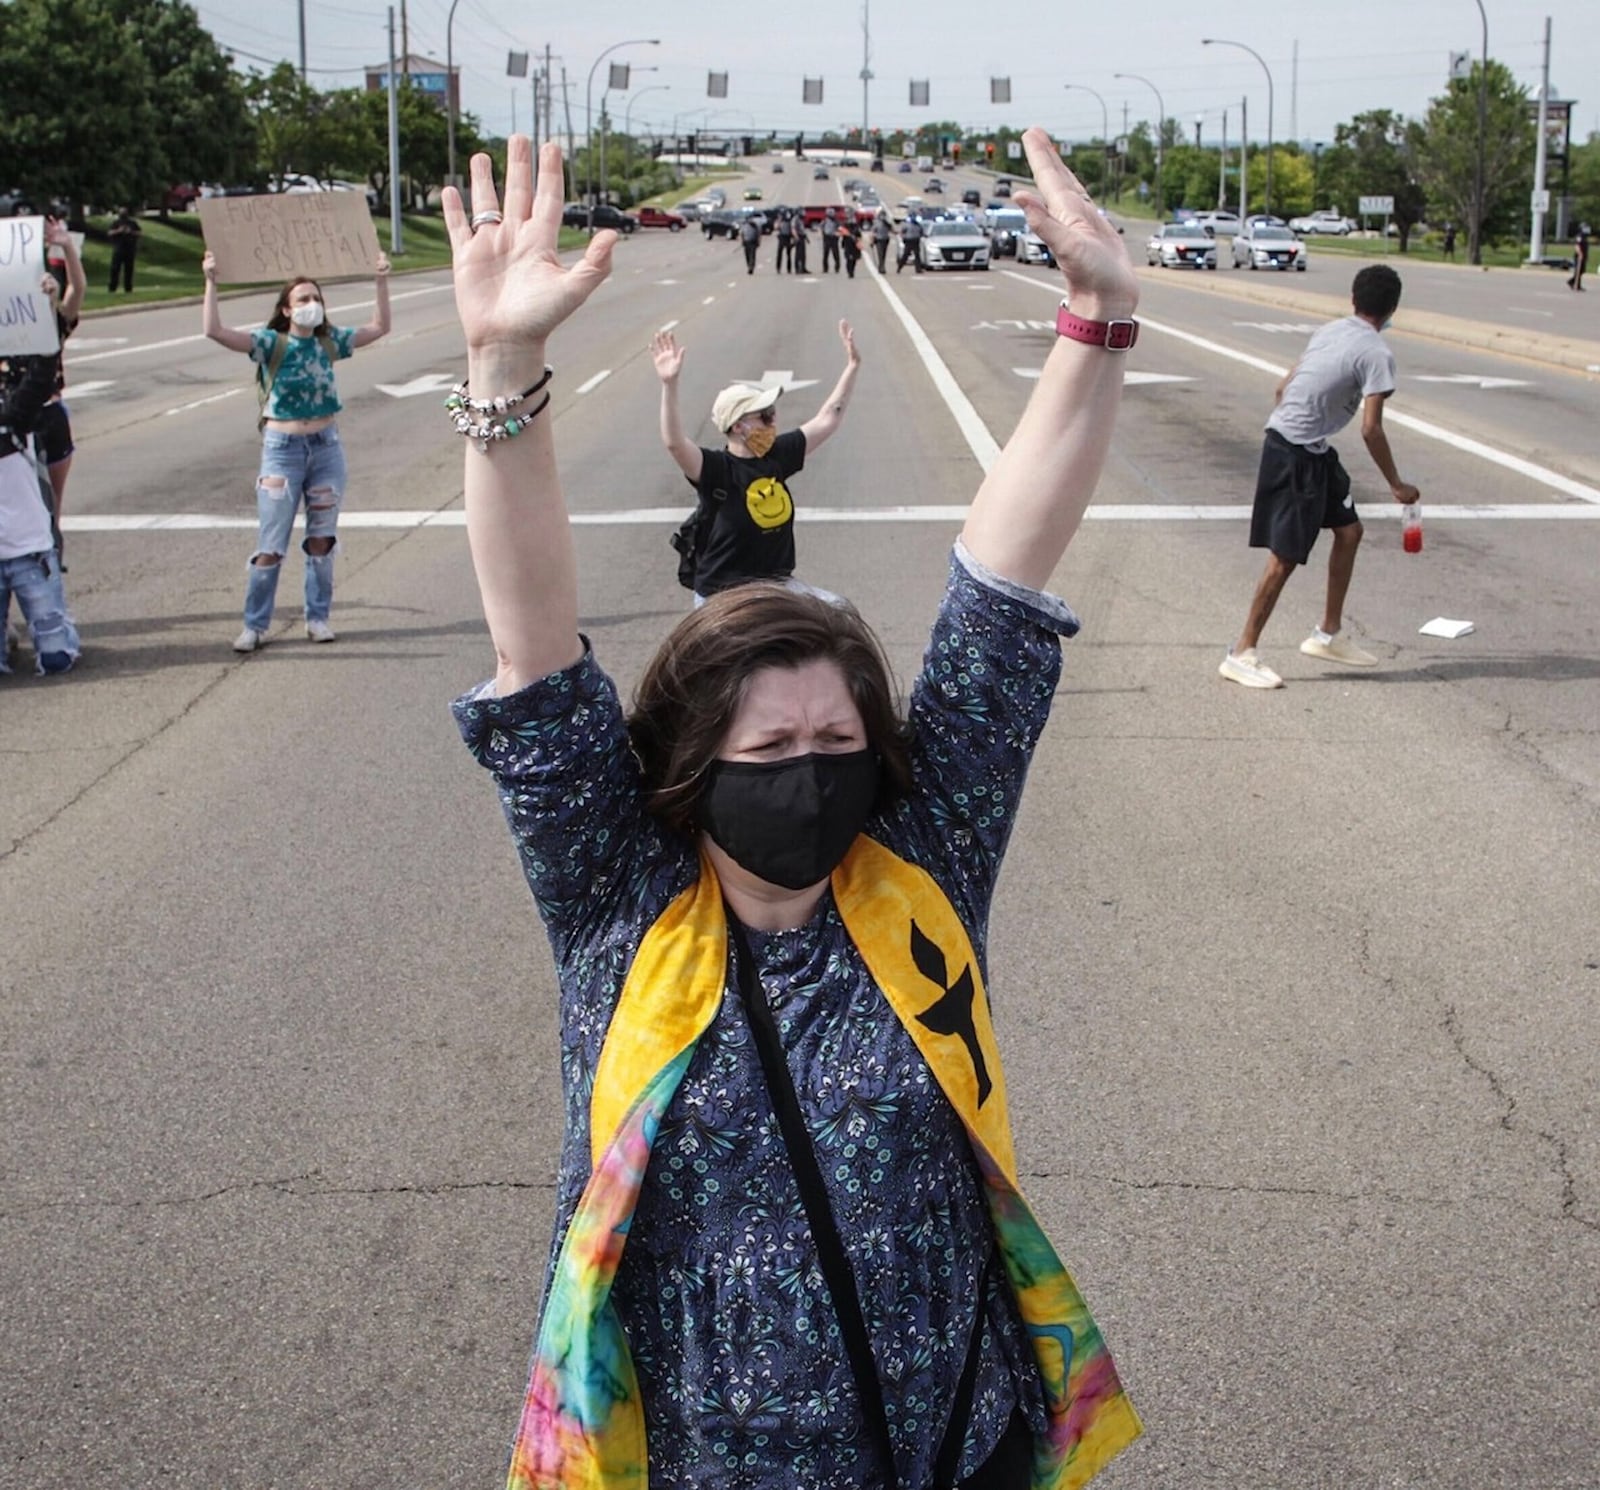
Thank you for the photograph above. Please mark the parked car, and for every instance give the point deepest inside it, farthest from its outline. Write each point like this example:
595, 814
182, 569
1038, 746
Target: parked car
819, 173
877, 163
972, 197
1265, 245
904, 168
1219, 222
933, 187
777, 168
656, 217
954, 245
576, 215
1002, 186
1005, 225
1181, 245
752, 193
1032, 249
853, 183
1323, 220
720, 222
15, 203
180, 198
717, 195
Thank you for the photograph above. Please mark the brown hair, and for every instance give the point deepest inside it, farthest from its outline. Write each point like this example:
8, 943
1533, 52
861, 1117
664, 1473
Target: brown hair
686, 700
280, 312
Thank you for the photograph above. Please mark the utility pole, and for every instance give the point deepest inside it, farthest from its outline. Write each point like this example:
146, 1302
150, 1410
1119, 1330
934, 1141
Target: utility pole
1222, 174
1244, 159
302, 40
566, 103
1294, 92
1475, 256
405, 43
866, 69
1541, 149
396, 243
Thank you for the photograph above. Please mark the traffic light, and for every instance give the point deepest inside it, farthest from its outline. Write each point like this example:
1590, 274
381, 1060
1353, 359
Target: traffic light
799, 147
694, 145
988, 148
749, 145
955, 151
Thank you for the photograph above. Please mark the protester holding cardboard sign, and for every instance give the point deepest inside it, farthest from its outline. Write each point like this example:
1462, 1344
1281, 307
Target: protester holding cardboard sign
302, 458
27, 318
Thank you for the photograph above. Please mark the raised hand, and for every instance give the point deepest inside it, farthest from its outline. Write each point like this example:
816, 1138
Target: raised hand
382, 266
848, 337
1100, 280
667, 355
208, 265
512, 290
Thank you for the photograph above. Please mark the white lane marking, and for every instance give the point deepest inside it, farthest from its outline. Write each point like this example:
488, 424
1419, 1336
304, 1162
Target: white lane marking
200, 403
980, 287
152, 522
669, 325
593, 382
1300, 328
75, 391
708, 299
784, 378
179, 341
979, 440
426, 383
1129, 379
1541, 474
665, 281
1468, 380
92, 343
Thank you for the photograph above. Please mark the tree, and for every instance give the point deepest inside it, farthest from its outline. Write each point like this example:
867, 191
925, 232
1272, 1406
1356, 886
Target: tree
286, 112
1444, 151
204, 131
1292, 176
1584, 180
77, 120
1371, 157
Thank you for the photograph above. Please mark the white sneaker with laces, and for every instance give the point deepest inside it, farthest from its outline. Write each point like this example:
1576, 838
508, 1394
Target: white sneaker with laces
1337, 648
249, 640
1246, 668
320, 631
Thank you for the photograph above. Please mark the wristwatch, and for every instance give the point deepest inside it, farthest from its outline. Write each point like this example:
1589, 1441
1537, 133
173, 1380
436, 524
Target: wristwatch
1114, 336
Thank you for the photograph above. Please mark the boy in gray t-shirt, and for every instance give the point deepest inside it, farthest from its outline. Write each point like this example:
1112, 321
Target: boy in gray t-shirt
1302, 488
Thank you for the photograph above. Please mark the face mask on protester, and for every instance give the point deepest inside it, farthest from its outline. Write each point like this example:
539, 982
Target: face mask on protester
308, 316
760, 439
790, 822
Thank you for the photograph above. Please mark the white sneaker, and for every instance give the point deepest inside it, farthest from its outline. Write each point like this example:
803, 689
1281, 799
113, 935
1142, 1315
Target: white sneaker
1337, 648
320, 631
249, 640
1245, 667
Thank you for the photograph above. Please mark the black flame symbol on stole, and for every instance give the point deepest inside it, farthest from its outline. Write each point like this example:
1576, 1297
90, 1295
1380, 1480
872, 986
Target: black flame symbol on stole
952, 1013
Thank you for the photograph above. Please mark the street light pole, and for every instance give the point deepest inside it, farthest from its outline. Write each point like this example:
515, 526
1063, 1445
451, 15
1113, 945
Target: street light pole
627, 125
588, 119
1105, 125
1161, 130
450, 93
1212, 41
1476, 255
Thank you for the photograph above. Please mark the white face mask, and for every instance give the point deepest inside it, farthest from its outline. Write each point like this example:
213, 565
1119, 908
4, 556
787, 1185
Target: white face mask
307, 316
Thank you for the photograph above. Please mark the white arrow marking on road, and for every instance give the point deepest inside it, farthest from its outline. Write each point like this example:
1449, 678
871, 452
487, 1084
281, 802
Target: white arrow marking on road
1128, 378
75, 391
784, 378
427, 383
1471, 380
594, 382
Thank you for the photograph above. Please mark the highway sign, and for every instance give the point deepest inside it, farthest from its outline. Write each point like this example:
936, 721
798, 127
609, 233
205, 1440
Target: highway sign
1377, 206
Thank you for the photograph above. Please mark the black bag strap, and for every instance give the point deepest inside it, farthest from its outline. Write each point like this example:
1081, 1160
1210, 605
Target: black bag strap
830, 1250
948, 1463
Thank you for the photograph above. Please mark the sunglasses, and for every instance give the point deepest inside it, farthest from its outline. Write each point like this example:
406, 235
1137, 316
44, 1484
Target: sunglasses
766, 416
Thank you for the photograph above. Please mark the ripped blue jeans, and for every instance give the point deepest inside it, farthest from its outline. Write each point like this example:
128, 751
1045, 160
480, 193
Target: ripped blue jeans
296, 469
35, 579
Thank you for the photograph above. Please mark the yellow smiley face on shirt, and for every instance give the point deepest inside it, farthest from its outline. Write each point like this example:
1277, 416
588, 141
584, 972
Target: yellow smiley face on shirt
768, 502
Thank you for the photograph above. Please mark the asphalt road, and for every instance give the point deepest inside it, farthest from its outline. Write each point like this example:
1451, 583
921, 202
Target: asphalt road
1298, 990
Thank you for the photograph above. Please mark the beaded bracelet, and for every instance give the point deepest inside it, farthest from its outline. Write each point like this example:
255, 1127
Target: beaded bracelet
493, 419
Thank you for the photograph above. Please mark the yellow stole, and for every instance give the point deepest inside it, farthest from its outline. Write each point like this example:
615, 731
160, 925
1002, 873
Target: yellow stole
582, 1424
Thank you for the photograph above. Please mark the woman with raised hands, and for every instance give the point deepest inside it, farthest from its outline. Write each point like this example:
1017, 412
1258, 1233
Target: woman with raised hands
790, 1245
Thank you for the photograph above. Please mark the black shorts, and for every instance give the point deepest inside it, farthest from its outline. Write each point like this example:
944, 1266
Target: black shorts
1299, 492
52, 435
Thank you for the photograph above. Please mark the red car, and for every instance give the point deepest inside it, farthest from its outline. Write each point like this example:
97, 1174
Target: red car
179, 198
654, 217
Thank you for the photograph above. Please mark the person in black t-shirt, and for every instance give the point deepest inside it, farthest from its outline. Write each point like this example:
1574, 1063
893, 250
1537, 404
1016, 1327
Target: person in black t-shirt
743, 488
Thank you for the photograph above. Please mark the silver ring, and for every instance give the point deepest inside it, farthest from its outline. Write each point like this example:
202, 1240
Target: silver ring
480, 218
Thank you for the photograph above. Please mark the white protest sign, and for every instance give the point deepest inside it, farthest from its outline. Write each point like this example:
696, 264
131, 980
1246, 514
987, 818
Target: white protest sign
27, 318
323, 234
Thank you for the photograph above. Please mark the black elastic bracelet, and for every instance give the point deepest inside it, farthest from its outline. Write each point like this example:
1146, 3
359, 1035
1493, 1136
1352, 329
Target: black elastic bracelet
502, 404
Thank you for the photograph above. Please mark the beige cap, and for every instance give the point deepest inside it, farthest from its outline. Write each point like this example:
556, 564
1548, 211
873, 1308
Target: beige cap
739, 399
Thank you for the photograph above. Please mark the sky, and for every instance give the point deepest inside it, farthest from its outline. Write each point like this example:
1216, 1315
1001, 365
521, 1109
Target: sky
1329, 59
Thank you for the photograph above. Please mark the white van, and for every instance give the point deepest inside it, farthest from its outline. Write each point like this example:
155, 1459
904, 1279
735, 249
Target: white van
924, 163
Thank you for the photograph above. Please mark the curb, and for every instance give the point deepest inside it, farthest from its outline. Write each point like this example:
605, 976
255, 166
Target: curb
1505, 341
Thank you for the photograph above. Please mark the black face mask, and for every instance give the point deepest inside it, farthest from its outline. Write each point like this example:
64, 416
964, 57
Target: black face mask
789, 822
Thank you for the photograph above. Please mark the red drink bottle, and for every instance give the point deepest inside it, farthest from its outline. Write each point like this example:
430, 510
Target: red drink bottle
1411, 527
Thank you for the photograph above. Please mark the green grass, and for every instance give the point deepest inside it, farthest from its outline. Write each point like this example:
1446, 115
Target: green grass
168, 266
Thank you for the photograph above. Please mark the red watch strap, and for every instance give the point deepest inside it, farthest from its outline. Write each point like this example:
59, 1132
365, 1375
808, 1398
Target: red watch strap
1114, 336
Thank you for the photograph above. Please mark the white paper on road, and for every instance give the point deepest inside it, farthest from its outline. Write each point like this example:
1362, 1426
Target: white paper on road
27, 318
1448, 629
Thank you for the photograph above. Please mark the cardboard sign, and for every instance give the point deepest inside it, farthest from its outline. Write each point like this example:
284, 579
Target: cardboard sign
323, 234
27, 318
